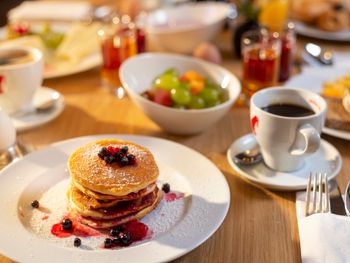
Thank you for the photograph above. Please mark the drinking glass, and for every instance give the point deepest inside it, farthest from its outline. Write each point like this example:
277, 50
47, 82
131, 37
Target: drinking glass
273, 14
261, 59
118, 42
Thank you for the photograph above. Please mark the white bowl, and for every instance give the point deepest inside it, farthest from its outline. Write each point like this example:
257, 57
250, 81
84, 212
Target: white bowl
137, 74
180, 29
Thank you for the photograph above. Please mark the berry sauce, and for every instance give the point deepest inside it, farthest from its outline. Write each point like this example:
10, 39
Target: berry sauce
78, 229
138, 230
172, 196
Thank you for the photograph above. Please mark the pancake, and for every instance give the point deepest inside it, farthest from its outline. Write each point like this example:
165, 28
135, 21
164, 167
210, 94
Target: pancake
109, 223
78, 201
90, 171
106, 198
88, 202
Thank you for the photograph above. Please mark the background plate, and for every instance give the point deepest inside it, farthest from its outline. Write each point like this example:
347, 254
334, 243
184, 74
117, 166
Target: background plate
313, 80
314, 32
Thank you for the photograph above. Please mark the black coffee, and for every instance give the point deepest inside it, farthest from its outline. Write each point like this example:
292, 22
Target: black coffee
288, 110
15, 56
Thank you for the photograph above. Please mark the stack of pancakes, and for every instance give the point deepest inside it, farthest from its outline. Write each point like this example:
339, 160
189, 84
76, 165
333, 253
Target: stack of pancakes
104, 195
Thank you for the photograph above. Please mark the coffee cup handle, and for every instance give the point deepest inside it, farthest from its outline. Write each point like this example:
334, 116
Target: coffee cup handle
307, 140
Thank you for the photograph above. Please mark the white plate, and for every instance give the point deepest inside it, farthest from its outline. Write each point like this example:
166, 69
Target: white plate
310, 31
32, 120
327, 159
178, 227
313, 80
61, 68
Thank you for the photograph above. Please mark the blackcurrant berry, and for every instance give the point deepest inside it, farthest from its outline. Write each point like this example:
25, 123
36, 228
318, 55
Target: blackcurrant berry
67, 224
35, 204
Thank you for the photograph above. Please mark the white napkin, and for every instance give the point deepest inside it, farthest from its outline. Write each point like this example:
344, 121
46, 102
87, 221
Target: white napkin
323, 237
50, 10
340, 59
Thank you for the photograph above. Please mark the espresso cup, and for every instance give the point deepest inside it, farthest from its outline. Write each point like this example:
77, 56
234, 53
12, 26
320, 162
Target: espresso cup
21, 73
287, 124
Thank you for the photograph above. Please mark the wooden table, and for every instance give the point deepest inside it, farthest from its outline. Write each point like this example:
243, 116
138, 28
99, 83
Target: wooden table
261, 224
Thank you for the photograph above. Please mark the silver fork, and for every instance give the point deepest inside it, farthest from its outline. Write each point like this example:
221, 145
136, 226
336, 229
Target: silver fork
320, 196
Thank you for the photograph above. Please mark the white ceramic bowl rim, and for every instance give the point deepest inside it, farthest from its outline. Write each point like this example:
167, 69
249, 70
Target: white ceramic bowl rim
232, 93
222, 8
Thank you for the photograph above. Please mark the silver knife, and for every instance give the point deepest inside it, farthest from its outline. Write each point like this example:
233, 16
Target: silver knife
336, 199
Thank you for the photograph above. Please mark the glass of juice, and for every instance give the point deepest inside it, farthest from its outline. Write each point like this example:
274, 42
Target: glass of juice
118, 42
260, 60
273, 14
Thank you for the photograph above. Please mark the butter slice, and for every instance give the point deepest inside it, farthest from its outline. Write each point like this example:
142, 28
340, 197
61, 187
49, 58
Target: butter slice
79, 42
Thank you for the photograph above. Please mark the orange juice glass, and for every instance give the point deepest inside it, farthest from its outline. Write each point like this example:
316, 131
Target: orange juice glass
118, 42
273, 14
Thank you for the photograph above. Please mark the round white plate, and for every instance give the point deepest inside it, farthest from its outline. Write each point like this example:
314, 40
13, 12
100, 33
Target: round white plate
313, 80
309, 31
178, 227
326, 160
31, 120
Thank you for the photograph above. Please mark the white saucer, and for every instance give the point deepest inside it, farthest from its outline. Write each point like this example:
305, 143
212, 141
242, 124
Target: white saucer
326, 159
31, 120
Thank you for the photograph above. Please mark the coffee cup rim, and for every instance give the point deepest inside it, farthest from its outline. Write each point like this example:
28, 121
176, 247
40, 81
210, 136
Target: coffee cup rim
323, 108
37, 55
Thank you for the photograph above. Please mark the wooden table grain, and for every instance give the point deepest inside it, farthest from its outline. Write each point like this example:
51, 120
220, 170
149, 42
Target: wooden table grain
261, 224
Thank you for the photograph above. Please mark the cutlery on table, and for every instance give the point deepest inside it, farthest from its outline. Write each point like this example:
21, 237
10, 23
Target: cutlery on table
336, 199
326, 196
249, 156
320, 197
317, 53
347, 199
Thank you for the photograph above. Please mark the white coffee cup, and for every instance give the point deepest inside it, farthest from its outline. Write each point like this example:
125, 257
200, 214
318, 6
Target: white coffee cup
286, 140
20, 77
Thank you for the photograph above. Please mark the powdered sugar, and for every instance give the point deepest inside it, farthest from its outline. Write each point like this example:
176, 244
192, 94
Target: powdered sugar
54, 207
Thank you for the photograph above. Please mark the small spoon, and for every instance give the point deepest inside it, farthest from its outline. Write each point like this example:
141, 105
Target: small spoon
48, 104
322, 56
249, 156
42, 107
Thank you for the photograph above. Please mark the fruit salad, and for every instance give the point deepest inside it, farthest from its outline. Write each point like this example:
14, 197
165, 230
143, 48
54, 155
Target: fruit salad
190, 90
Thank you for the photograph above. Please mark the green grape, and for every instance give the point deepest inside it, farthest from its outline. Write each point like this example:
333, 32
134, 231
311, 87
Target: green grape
180, 96
210, 96
167, 82
223, 95
184, 85
197, 102
210, 85
212, 103
171, 71
177, 106
52, 39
